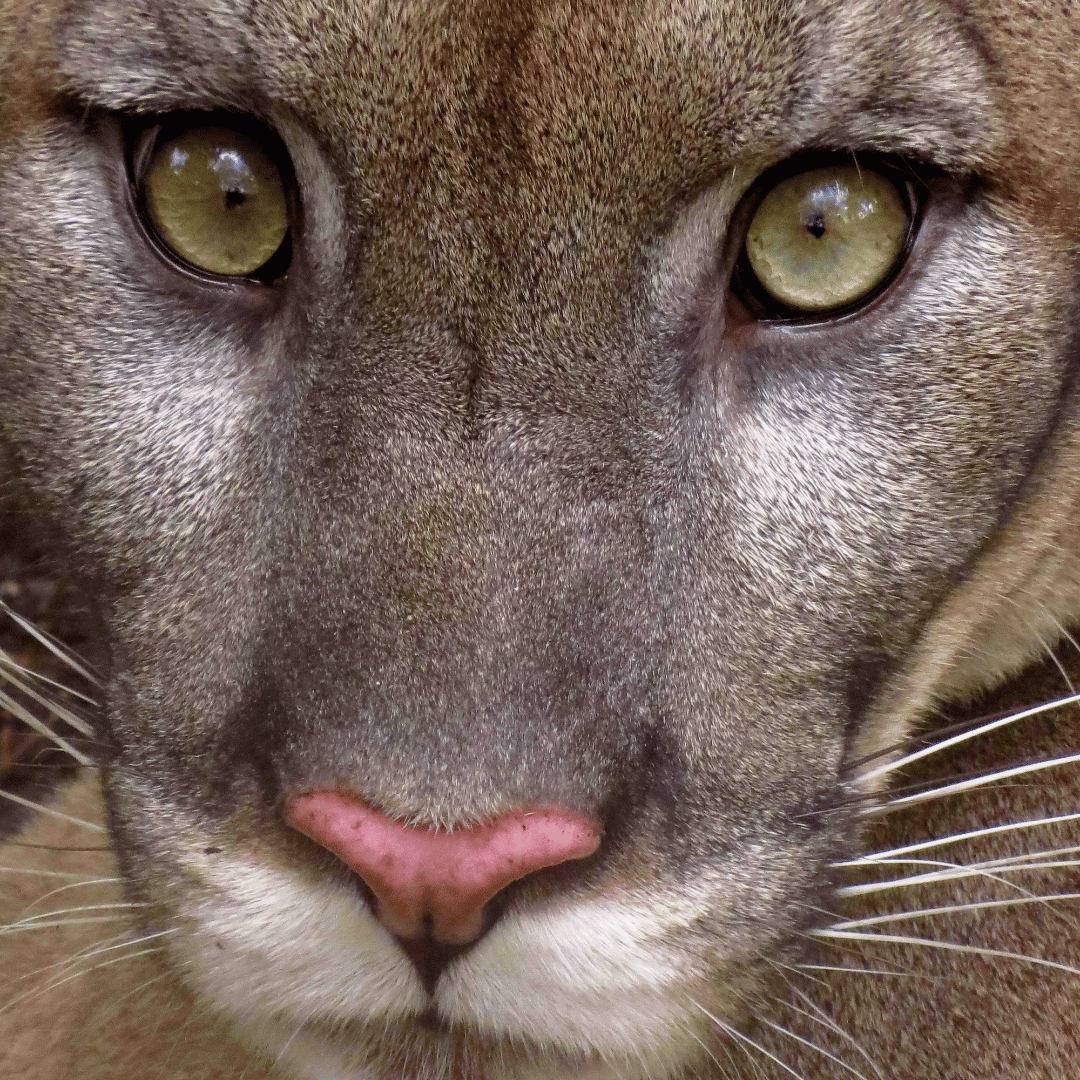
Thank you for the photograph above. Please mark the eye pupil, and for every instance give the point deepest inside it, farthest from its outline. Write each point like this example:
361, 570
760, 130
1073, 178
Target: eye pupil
824, 240
214, 196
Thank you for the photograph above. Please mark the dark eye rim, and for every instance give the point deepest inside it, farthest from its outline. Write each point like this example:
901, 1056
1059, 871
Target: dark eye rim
912, 181
144, 134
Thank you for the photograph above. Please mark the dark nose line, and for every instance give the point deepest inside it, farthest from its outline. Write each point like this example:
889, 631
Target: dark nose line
430, 887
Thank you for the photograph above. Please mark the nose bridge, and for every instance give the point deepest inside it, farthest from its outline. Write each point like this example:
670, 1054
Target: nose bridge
502, 559
473, 609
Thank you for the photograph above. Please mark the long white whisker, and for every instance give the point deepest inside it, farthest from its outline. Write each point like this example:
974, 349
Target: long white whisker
958, 875
9, 664
38, 991
736, 1034
922, 913
6, 930
949, 946
967, 785
119, 905
777, 965
1061, 629
821, 1017
858, 955
813, 1046
12, 706
964, 736
53, 873
1011, 864
39, 635
952, 872
118, 941
1057, 663
704, 1046
1004, 860
926, 845
142, 986
39, 808
867, 971
70, 885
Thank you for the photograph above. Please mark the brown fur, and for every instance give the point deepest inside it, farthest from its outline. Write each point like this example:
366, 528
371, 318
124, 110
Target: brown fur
499, 498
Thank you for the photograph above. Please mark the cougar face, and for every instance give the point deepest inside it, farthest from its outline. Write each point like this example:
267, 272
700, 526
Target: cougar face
530, 501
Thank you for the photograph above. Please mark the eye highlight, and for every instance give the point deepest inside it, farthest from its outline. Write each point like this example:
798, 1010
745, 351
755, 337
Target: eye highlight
824, 239
215, 197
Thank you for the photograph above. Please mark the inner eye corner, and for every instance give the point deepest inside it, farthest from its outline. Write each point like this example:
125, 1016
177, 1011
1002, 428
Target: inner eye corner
237, 223
899, 183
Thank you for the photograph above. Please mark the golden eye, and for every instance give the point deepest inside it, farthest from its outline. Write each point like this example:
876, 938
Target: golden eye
217, 199
823, 239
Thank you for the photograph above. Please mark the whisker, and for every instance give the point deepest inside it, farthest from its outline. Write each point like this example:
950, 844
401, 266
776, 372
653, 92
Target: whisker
9, 664
143, 985
858, 954
1004, 860
39, 808
867, 971
956, 872
39, 991
1061, 629
927, 738
119, 905
57, 648
819, 1016
794, 970
77, 722
20, 713
948, 946
57, 707
54, 873
704, 1046
1057, 663
925, 845
119, 941
55, 847
922, 913
70, 885
813, 1046
17, 929
956, 740
742, 1038
967, 785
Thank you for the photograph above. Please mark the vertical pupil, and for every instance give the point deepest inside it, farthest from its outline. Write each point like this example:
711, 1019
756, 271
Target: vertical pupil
815, 226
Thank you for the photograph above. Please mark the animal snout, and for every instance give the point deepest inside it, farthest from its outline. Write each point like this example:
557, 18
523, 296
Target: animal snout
431, 884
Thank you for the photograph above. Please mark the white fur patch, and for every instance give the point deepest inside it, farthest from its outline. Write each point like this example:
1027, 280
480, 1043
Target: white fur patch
265, 943
595, 974
587, 977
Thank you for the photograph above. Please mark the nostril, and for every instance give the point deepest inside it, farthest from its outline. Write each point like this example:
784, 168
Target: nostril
434, 885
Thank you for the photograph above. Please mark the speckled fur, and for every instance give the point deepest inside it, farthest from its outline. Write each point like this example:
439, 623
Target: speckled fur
498, 499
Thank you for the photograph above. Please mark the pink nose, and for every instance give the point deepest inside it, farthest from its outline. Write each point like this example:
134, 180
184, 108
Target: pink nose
440, 881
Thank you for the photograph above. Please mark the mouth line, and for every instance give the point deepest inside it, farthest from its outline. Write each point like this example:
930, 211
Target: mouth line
430, 1027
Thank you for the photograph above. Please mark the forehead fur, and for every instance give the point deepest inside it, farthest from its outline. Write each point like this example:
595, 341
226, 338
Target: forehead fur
603, 77
478, 130
716, 75
909, 74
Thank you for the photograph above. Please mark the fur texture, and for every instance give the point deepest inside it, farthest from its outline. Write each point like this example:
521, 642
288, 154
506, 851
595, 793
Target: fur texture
501, 498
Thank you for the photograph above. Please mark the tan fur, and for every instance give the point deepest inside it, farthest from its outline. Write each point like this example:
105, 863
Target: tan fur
123, 1019
499, 499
